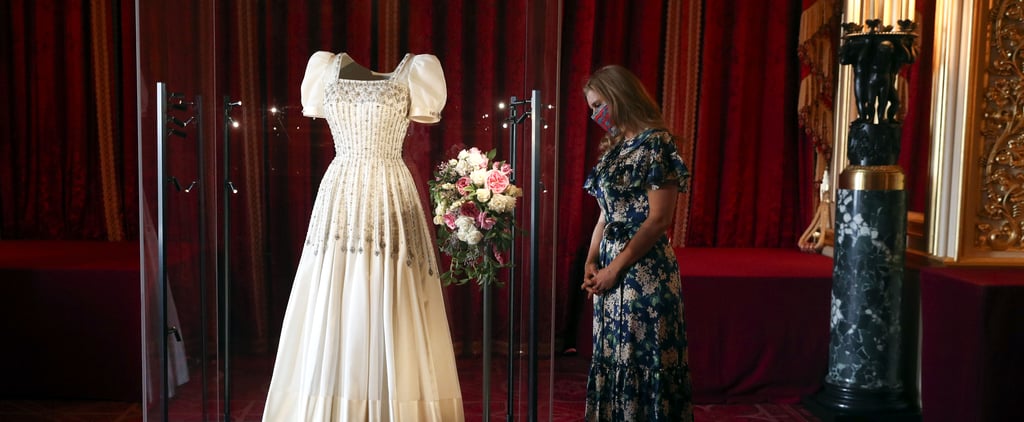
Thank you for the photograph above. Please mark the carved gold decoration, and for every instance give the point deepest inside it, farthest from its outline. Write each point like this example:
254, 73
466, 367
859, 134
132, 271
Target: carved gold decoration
1000, 214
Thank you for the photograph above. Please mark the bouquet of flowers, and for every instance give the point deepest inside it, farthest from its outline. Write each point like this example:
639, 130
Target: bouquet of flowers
473, 201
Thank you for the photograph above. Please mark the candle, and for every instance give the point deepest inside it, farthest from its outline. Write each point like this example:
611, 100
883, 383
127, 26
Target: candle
911, 13
887, 12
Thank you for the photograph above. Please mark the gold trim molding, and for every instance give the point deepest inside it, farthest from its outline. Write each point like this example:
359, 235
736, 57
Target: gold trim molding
998, 180
872, 178
976, 209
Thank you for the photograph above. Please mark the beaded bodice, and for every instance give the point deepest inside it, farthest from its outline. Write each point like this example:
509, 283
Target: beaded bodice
368, 202
368, 118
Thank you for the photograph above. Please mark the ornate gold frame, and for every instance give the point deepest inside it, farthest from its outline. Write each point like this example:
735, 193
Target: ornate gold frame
977, 192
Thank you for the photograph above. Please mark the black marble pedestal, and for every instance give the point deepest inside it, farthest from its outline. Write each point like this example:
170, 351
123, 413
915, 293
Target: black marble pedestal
827, 413
864, 374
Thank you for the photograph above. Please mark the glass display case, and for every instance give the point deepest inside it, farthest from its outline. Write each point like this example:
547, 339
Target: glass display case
230, 168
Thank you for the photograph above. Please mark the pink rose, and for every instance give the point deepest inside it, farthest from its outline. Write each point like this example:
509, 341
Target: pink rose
462, 184
500, 256
485, 222
449, 220
497, 181
503, 167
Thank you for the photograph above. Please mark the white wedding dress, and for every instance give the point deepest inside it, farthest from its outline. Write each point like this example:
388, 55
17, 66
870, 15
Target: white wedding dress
365, 336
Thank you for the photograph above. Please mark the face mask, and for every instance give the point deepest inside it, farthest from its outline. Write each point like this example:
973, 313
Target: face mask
603, 117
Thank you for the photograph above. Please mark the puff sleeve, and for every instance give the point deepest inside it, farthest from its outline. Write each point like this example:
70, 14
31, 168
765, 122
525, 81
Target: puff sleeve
427, 90
313, 84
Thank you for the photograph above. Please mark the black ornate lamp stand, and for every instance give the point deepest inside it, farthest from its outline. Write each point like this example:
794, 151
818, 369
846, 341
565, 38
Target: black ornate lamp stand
863, 382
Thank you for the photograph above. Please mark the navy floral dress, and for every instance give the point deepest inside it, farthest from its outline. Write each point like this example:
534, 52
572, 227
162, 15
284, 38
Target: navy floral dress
639, 370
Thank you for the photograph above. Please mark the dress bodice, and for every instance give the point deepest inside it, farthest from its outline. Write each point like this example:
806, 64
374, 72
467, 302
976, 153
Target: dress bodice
369, 116
625, 173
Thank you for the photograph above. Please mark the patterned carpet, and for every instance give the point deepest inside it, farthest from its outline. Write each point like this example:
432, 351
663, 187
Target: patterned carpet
564, 400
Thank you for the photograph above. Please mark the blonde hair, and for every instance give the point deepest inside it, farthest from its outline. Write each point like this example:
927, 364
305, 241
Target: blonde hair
632, 107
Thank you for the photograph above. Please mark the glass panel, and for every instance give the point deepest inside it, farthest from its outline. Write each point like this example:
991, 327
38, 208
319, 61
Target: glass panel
229, 248
488, 53
175, 69
535, 366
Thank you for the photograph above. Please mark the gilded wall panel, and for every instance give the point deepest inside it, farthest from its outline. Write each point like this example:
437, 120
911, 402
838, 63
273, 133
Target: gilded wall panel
995, 170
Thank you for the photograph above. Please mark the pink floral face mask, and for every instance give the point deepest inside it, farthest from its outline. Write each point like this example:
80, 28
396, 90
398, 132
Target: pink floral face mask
603, 117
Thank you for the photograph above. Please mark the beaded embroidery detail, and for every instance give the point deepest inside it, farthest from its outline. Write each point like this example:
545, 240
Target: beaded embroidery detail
368, 201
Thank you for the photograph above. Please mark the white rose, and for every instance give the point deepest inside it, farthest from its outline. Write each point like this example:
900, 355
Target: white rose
501, 203
483, 194
464, 167
453, 162
464, 223
479, 176
474, 237
477, 160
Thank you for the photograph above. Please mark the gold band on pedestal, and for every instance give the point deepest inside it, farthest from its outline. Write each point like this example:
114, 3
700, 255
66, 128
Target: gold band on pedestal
871, 178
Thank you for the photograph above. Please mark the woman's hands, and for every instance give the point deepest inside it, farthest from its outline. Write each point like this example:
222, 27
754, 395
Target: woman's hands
597, 281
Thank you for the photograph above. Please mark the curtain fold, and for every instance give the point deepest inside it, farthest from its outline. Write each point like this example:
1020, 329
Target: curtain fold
916, 133
819, 39
248, 220
62, 155
106, 119
746, 183
680, 92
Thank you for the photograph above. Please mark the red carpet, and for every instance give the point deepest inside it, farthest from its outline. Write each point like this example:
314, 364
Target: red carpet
252, 379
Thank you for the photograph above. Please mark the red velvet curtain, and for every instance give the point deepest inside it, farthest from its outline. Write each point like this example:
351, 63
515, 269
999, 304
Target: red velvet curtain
746, 173
64, 101
915, 146
594, 34
749, 171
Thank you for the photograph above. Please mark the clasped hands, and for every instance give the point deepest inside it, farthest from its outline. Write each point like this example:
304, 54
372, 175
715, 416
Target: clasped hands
597, 281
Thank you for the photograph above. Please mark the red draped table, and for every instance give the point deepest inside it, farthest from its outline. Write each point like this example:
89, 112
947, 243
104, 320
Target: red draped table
70, 320
757, 322
972, 344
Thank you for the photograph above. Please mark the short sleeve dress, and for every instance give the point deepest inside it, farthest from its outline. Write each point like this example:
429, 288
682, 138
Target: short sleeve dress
639, 370
365, 335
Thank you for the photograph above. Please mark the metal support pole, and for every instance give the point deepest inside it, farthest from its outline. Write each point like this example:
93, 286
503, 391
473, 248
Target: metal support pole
161, 200
535, 191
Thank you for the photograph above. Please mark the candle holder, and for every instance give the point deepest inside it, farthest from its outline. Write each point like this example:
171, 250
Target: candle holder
864, 377
876, 52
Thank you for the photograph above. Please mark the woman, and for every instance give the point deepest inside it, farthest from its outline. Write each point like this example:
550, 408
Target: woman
639, 370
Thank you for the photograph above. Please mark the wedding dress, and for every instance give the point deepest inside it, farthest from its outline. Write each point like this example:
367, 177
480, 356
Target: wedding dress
365, 335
